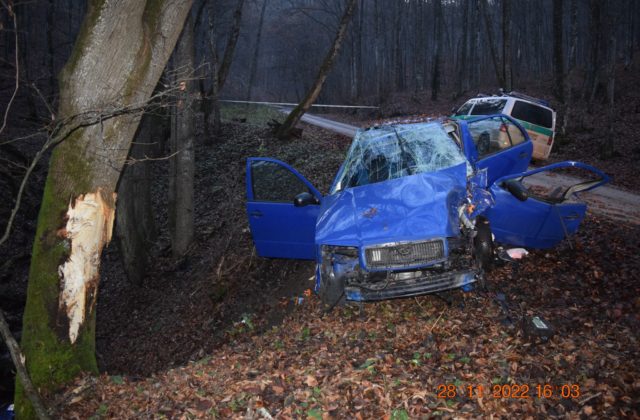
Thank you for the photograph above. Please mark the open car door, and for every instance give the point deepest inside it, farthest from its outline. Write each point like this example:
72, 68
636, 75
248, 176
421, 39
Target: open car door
282, 207
538, 220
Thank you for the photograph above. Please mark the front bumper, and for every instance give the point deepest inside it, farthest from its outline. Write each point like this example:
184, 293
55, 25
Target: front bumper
429, 283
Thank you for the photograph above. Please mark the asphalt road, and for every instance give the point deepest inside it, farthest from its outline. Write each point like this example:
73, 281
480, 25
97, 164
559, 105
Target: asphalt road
607, 200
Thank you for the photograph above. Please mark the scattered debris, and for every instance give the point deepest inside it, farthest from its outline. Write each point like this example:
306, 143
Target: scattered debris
517, 253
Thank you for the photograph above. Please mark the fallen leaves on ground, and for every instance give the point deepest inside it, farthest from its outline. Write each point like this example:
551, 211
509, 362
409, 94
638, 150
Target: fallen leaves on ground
391, 359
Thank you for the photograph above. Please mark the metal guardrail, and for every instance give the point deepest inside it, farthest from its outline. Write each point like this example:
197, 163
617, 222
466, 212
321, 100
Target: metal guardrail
294, 104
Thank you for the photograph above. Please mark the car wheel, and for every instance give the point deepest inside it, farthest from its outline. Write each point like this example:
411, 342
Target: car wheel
331, 291
483, 245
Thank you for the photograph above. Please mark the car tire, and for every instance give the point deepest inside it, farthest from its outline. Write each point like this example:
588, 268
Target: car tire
483, 245
331, 291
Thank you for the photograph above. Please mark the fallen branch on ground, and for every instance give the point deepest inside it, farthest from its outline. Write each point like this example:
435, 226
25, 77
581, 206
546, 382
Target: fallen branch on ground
18, 360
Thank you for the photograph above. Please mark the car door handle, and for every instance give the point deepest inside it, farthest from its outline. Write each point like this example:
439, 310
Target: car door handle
522, 155
255, 213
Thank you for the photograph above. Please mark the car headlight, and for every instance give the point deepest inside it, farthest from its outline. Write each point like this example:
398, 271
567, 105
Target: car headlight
340, 251
340, 260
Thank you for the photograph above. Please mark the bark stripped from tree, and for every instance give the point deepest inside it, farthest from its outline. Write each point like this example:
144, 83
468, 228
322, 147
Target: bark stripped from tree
88, 230
285, 130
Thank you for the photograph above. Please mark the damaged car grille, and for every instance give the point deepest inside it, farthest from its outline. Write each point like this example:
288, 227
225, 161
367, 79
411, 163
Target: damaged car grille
405, 254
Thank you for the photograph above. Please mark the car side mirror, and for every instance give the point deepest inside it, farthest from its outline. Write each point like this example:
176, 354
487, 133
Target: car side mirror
305, 199
516, 189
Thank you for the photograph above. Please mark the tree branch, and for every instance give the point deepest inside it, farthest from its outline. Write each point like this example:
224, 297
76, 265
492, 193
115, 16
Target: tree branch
18, 360
61, 130
17, 63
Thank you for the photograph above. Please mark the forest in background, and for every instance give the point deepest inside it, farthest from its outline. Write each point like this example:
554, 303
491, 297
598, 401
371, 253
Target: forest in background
408, 57
463, 46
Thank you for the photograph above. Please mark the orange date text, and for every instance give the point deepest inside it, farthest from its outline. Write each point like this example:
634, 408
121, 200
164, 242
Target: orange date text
513, 391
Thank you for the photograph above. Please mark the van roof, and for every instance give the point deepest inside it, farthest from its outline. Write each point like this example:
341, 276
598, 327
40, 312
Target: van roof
517, 95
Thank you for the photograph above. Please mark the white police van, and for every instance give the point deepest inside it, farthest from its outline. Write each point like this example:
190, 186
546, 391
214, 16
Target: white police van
535, 115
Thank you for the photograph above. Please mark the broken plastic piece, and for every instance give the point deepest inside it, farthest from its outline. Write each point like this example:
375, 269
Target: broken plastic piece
517, 253
536, 327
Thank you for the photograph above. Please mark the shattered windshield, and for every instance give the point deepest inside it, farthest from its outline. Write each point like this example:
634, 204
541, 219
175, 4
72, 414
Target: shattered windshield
391, 152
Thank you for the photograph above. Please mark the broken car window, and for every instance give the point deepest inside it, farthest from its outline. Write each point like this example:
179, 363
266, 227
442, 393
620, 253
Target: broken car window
492, 135
392, 152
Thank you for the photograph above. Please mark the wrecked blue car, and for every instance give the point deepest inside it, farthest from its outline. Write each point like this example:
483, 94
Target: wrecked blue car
414, 208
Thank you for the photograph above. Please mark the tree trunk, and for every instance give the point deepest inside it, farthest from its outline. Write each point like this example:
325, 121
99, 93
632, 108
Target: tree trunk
494, 53
463, 62
256, 51
182, 163
219, 71
359, 65
595, 33
135, 226
213, 92
231, 46
398, 69
437, 55
50, 47
573, 46
558, 50
116, 62
475, 68
608, 147
284, 132
506, 46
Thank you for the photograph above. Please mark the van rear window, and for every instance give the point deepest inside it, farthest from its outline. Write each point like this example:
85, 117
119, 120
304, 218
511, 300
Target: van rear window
532, 114
488, 107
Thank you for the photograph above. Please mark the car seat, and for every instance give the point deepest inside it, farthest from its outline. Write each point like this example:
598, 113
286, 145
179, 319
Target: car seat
484, 143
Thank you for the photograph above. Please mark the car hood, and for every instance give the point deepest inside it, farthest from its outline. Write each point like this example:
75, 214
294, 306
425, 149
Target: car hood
414, 207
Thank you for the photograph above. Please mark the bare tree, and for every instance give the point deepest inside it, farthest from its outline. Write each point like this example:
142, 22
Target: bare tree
231, 45
182, 164
116, 62
256, 51
220, 71
284, 131
507, 74
492, 46
437, 56
135, 226
463, 61
568, 82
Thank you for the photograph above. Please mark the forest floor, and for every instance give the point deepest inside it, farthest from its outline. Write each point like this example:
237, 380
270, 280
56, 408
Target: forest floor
223, 332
